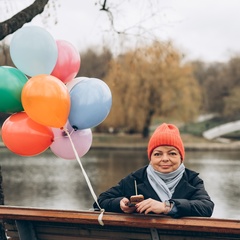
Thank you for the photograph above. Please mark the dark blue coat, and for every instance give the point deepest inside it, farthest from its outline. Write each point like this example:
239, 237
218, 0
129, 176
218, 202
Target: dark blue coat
190, 196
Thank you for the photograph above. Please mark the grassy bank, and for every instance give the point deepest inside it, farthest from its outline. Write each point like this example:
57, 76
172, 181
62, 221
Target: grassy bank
191, 143
99, 138
135, 141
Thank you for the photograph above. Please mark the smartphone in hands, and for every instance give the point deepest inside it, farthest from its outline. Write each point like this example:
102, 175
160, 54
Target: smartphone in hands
135, 199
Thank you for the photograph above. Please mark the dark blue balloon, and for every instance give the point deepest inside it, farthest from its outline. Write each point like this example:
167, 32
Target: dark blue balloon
91, 101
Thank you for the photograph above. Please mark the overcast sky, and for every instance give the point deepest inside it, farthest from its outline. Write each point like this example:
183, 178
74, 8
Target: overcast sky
204, 29
210, 28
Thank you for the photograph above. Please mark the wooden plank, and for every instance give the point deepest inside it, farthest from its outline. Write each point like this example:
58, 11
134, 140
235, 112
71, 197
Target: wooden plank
50, 223
51, 231
67, 231
90, 231
60, 231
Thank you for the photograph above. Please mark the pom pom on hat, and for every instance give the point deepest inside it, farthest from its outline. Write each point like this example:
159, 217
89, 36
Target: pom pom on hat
168, 135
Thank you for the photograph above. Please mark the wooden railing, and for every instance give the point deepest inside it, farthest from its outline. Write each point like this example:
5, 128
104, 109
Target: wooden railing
46, 224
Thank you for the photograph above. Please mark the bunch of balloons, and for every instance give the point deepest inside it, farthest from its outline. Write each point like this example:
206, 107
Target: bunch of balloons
46, 100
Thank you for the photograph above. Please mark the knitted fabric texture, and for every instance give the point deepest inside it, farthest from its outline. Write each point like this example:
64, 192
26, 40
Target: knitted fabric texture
166, 135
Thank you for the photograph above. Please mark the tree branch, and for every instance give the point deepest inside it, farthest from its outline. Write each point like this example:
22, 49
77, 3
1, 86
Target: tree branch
26, 15
104, 6
109, 13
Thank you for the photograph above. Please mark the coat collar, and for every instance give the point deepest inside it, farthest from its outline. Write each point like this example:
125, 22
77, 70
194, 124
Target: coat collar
183, 189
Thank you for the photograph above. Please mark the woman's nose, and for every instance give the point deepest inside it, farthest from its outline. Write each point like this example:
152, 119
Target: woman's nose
165, 157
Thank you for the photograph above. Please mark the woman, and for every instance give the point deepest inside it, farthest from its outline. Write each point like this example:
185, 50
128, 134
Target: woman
166, 185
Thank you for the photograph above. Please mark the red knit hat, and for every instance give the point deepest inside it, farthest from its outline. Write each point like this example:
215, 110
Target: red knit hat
168, 135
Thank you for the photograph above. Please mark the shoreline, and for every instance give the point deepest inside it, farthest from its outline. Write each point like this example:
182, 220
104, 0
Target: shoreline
233, 146
188, 146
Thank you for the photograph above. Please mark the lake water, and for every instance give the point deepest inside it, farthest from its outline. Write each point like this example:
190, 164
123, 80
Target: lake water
48, 181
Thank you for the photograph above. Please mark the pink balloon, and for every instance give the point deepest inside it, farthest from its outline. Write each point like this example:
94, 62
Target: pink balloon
68, 62
61, 146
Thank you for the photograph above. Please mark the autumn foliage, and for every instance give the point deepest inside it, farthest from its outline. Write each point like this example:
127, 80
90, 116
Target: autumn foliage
148, 82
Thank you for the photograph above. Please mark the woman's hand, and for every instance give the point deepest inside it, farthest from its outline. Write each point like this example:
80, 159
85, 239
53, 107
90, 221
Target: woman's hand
124, 206
150, 205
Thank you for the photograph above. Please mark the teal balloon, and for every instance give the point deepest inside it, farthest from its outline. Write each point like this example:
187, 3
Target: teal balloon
91, 101
33, 50
12, 81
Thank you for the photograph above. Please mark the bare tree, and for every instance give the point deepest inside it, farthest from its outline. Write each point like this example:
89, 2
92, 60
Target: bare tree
18, 20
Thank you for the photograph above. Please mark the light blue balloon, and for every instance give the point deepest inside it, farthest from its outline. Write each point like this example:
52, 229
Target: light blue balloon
33, 50
91, 101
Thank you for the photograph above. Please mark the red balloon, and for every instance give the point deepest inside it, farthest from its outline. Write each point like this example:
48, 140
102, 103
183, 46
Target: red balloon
68, 62
25, 137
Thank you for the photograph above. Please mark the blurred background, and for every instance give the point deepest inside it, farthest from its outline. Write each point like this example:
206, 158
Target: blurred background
164, 61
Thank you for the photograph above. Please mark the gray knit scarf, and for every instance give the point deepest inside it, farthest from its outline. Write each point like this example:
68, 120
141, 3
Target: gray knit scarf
164, 183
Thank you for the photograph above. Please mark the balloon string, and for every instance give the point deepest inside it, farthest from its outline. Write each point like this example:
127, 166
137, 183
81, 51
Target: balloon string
87, 179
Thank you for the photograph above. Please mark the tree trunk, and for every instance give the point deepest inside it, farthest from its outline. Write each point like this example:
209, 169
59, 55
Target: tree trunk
146, 130
2, 231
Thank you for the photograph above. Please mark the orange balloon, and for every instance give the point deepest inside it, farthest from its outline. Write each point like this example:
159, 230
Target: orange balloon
25, 137
46, 100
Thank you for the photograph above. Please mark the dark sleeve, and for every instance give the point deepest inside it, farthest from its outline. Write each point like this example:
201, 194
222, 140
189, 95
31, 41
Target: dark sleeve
110, 199
197, 204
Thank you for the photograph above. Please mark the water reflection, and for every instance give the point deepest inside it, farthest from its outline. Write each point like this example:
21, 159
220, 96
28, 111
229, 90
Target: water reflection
221, 174
51, 182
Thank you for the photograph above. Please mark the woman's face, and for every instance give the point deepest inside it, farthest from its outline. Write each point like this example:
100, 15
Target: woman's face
165, 159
